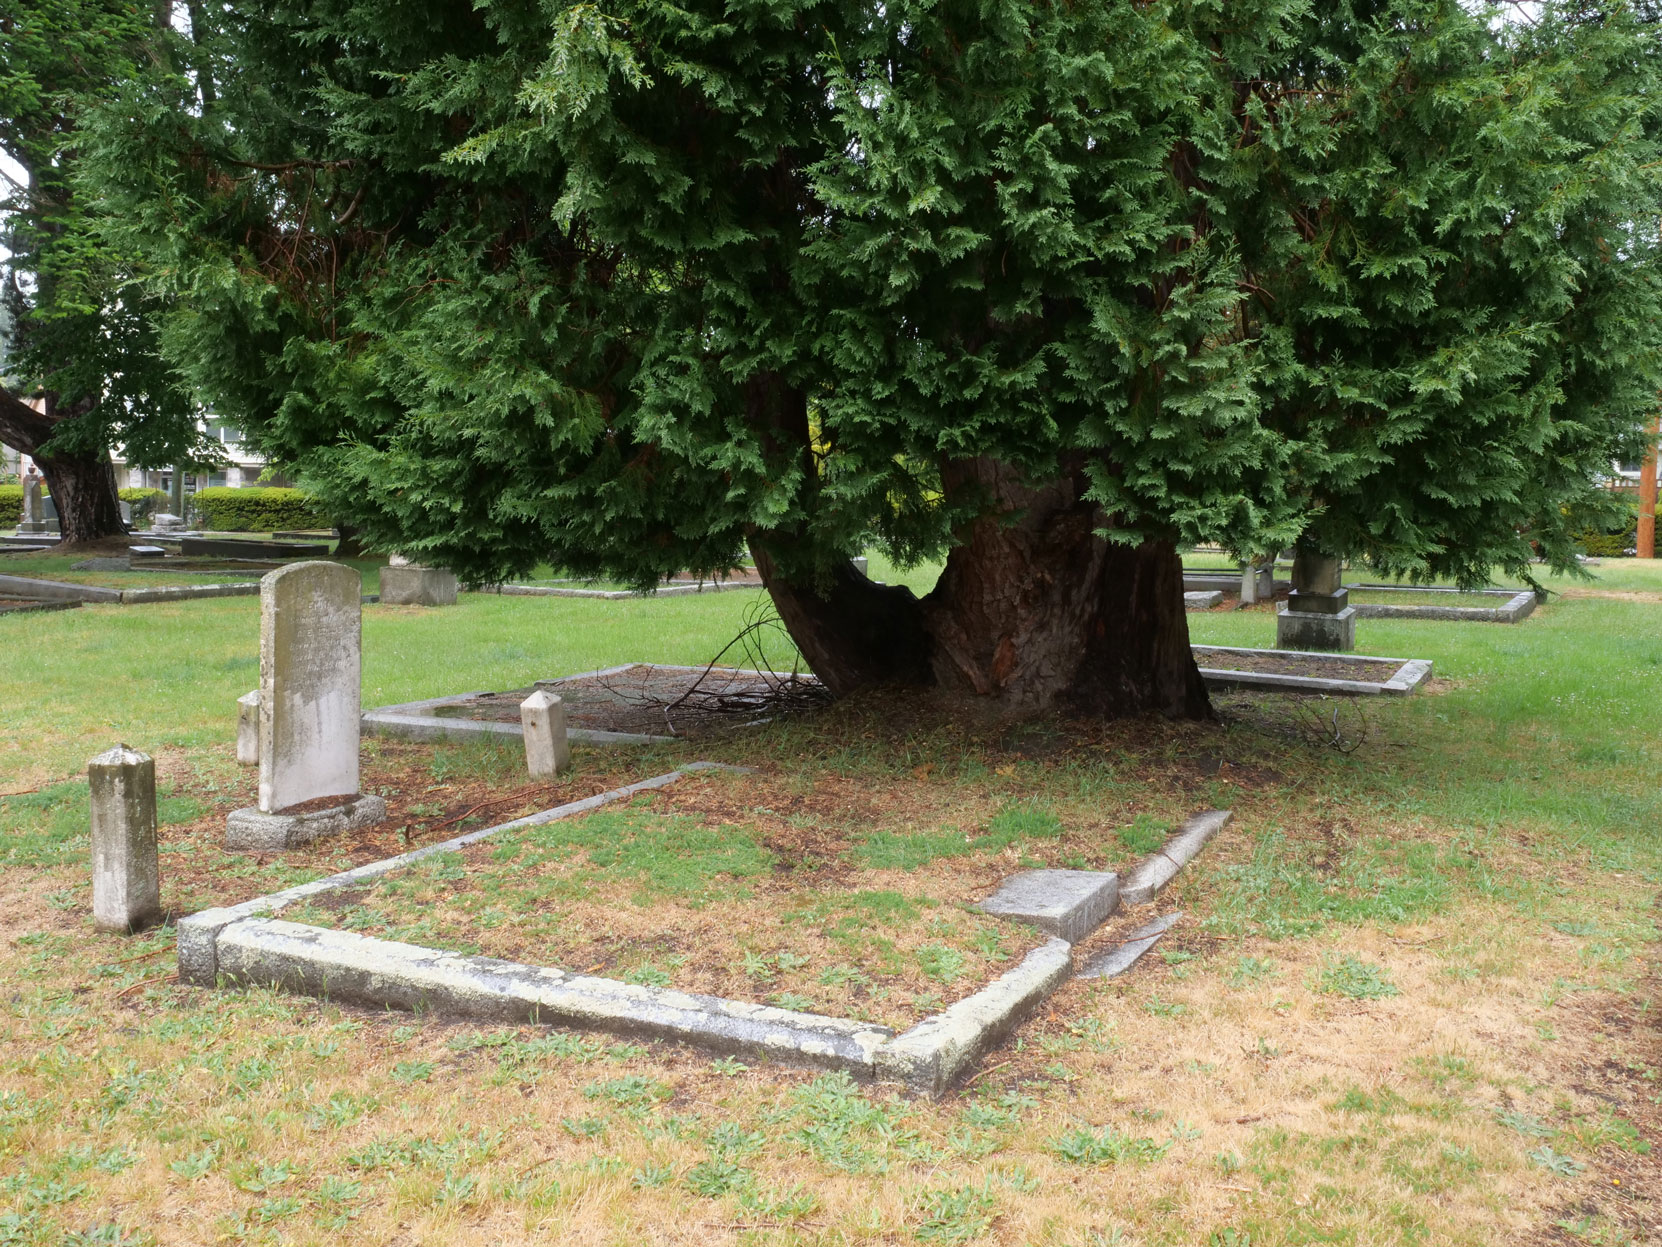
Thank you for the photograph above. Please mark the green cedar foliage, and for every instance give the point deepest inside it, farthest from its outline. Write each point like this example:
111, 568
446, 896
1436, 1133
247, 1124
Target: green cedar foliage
623, 288
84, 329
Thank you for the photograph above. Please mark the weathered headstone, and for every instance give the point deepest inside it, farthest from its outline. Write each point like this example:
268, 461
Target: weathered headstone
1316, 614
310, 617
126, 880
166, 522
34, 514
542, 715
248, 729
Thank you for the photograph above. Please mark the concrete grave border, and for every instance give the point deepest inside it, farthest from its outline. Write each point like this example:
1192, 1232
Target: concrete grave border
1519, 604
1409, 676
62, 591
246, 944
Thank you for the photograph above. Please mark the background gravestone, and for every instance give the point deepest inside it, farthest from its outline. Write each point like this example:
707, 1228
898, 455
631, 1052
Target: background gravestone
1316, 614
34, 514
310, 636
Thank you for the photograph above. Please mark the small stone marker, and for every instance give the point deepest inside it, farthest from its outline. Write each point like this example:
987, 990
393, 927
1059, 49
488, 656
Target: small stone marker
542, 715
248, 729
1202, 599
147, 552
1068, 904
1316, 614
126, 881
310, 634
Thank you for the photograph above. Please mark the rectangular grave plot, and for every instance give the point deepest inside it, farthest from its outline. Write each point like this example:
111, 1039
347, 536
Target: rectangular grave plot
1301, 671
633, 703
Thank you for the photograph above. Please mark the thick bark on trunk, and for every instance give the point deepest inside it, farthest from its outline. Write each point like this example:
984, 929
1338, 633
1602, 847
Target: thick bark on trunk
854, 632
350, 545
82, 485
83, 489
1035, 610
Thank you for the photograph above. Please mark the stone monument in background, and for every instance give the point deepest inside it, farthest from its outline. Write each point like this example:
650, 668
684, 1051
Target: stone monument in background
1316, 614
34, 512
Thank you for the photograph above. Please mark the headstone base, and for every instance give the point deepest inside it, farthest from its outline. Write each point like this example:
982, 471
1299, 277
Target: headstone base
252, 828
417, 586
1314, 630
32, 526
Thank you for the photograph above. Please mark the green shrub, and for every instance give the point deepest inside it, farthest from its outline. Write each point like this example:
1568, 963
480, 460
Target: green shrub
1612, 543
256, 509
11, 504
145, 502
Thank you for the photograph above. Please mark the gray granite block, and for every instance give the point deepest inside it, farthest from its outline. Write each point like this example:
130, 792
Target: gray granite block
1068, 904
346, 966
927, 1058
1315, 631
1154, 872
253, 828
1201, 600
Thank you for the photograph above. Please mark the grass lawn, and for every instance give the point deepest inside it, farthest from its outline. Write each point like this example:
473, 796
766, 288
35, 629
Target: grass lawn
1413, 998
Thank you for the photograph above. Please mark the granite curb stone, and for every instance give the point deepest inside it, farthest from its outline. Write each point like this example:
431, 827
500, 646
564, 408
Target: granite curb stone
927, 1058
1144, 882
356, 969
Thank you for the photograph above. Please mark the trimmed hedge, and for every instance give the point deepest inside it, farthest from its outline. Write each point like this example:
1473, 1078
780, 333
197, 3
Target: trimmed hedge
1614, 543
256, 509
145, 502
11, 505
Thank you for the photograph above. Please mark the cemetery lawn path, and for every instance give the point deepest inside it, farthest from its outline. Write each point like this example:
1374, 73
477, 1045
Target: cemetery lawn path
1413, 999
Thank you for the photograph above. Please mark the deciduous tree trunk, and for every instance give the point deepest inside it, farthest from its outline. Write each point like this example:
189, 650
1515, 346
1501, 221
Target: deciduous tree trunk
82, 485
1033, 611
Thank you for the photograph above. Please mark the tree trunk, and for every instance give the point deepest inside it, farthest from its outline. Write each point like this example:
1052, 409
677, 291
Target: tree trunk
853, 632
83, 490
82, 484
350, 544
1035, 610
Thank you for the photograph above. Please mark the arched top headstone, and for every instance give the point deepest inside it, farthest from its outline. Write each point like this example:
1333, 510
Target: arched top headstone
310, 619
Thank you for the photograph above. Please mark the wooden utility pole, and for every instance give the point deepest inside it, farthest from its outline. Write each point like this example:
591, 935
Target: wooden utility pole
1646, 544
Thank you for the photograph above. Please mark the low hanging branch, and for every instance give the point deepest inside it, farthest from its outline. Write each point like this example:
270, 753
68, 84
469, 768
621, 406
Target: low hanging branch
737, 687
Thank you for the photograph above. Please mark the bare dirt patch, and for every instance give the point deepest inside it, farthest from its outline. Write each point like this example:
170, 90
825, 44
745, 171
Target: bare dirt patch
661, 701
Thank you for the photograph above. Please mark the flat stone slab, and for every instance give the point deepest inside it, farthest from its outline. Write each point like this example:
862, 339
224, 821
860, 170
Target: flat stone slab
930, 1056
1202, 600
346, 966
1068, 904
1119, 958
1158, 869
252, 828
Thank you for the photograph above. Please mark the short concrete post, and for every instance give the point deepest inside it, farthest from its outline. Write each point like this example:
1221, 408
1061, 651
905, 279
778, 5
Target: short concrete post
547, 751
126, 881
1249, 584
248, 729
